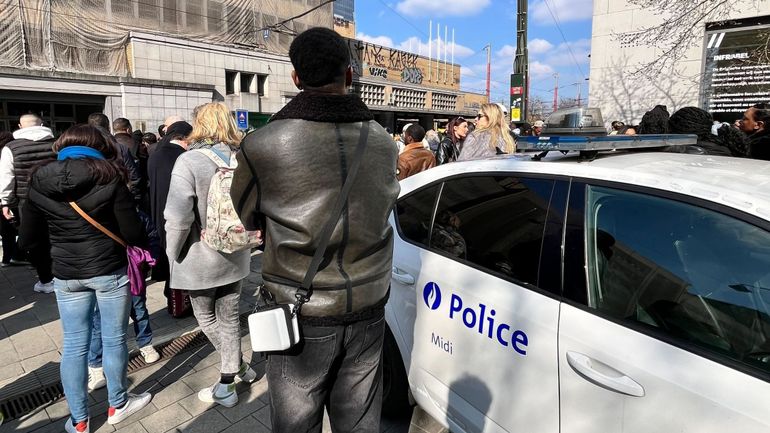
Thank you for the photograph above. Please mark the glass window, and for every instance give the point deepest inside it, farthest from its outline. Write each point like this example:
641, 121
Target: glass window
170, 10
695, 274
414, 214
496, 222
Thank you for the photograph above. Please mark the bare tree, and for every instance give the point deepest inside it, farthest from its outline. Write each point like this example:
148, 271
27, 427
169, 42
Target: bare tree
569, 103
538, 108
680, 29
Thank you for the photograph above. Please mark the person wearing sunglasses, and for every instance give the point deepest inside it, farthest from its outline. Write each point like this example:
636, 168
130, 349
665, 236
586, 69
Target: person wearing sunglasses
491, 137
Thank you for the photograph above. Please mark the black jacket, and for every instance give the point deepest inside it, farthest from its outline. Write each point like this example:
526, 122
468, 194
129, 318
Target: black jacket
447, 151
759, 145
78, 249
276, 179
159, 167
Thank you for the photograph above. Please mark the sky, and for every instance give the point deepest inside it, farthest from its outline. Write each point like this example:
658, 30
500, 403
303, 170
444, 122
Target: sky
561, 49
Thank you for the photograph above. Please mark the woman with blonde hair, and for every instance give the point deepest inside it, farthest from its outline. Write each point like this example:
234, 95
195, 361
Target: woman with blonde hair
491, 137
213, 278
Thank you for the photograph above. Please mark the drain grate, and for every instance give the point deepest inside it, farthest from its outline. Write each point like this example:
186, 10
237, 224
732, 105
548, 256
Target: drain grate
20, 404
26, 403
169, 349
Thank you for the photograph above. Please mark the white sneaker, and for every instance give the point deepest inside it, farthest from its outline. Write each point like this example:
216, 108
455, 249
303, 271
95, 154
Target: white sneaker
43, 287
81, 427
246, 374
220, 393
96, 378
134, 404
149, 354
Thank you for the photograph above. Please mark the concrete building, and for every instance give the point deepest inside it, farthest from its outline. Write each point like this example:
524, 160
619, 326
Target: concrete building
147, 59
724, 70
344, 18
402, 87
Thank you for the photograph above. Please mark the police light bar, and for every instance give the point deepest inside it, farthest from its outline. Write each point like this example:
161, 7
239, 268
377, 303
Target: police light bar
611, 142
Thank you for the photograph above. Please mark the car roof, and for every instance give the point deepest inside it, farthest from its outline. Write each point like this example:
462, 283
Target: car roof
739, 183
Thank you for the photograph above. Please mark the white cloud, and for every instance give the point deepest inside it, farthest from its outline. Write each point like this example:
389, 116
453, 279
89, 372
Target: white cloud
536, 46
506, 51
377, 40
441, 8
538, 69
561, 55
539, 46
564, 10
418, 46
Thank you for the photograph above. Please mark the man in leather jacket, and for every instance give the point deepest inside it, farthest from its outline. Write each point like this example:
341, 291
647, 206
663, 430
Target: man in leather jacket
415, 157
342, 325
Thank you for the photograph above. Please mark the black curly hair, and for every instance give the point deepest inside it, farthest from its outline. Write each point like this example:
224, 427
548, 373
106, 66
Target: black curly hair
654, 121
320, 56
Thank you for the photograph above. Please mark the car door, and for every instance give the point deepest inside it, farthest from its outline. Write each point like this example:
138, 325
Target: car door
667, 323
484, 351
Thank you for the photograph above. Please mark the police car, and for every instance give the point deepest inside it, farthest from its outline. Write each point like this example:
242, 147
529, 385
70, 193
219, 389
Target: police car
626, 294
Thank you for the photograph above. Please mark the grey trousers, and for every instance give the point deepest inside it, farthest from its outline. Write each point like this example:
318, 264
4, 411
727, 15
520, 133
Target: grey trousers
217, 313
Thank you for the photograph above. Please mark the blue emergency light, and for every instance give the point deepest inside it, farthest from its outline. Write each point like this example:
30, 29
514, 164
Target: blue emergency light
566, 143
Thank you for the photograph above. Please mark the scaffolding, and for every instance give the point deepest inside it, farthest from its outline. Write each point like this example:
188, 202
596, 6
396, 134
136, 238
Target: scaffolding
91, 36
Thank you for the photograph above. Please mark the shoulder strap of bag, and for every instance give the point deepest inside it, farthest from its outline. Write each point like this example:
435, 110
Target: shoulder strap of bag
216, 156
306, 289
96, 224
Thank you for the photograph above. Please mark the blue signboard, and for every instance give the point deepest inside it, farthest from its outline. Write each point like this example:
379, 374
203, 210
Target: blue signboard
242, 117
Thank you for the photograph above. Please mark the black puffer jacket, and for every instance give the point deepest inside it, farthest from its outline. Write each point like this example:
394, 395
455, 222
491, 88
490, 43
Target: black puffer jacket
78, 249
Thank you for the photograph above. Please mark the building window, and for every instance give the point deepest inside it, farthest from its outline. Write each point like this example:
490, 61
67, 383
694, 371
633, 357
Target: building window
407, 98
444, 102
370, 94
230, 77
169, 11
194, 13
246, 81
261, 84
214, 15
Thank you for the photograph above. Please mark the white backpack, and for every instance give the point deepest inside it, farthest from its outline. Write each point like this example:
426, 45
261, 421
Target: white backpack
224, 231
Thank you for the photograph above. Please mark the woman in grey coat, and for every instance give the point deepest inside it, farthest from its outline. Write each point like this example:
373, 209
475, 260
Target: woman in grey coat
213, 278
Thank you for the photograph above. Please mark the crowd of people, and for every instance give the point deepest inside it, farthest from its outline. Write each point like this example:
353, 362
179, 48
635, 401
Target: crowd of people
74, 206
78, 207
489, 135
747, 137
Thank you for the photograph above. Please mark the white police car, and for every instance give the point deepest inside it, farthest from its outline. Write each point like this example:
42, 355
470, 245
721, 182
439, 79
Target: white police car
628, 294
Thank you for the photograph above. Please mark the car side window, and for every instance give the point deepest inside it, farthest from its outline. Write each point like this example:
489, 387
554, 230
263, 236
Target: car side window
495, 222
695, 274
414, 214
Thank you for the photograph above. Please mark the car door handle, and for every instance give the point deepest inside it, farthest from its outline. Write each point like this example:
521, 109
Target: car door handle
402, 277
608, 377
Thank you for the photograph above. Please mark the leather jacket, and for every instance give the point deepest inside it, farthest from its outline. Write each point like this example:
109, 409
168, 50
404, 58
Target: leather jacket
290, 173
447, 151
414, 159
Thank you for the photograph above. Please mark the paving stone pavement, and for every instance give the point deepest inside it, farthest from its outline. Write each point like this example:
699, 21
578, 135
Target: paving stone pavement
30, 351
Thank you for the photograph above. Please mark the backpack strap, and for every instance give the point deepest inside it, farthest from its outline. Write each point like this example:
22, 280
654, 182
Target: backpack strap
219, 158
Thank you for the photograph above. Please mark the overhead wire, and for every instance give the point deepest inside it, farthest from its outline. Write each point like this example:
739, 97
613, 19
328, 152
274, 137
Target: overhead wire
564, 38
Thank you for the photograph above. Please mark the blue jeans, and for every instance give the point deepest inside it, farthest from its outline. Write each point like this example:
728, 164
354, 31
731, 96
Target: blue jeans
141, 318
76, 300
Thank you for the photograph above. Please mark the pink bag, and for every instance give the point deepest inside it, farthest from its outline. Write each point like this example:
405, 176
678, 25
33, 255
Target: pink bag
138, 260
